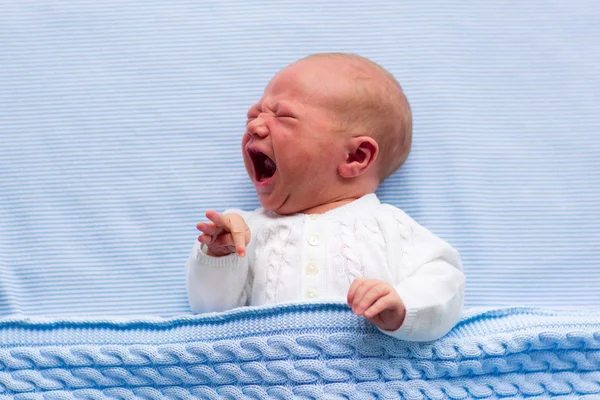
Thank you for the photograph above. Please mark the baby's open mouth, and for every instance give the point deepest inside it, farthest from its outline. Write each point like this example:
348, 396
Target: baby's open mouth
264, 167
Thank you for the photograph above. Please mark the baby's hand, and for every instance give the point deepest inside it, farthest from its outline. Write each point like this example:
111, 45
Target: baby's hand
378, 301
225, 234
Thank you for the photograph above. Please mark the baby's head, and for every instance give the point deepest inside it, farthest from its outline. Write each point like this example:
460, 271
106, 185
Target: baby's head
328, 128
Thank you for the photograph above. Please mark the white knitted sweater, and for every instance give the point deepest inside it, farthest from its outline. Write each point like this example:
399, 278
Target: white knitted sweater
316, 257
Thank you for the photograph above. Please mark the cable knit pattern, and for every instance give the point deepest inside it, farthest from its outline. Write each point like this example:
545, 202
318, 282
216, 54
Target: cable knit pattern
348, 262
277, 258
309, 351
367, 231
356, 243
407, 238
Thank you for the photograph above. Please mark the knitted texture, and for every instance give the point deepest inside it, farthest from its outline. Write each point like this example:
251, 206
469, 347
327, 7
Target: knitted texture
277, 259
306, 351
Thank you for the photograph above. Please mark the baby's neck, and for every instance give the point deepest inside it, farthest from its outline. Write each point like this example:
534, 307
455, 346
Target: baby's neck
323, 208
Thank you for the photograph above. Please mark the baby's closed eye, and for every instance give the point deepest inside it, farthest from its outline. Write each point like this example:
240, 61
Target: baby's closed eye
285, 116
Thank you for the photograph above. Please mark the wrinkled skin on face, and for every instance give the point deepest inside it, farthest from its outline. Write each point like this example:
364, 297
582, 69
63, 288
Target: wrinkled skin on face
293, 145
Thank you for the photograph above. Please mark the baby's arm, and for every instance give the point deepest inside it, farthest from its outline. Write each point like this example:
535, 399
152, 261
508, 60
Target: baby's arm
423, 307
216, 275
425, 301
433, 299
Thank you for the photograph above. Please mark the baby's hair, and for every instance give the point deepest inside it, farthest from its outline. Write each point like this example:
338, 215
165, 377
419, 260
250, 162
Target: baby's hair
379, 106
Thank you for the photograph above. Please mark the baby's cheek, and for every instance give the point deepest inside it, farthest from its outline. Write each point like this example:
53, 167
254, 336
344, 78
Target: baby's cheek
297, 157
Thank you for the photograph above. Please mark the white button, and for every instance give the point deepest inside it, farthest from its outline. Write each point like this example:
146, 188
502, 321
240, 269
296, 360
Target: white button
313, 240
313, 216
312, 269
311, 294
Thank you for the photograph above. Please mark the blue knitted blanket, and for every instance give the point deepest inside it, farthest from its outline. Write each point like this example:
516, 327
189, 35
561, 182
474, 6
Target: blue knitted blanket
306, 351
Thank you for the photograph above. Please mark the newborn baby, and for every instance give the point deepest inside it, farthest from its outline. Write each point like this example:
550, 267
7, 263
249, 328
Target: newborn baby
327, 131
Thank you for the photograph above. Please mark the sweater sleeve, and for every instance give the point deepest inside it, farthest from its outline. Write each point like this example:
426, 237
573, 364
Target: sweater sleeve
431, 284
433, 298
216, 283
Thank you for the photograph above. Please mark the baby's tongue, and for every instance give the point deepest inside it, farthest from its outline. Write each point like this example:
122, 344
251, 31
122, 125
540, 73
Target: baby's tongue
270, 166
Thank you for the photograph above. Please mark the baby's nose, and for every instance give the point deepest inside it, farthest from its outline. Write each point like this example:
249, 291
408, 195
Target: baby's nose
257, 127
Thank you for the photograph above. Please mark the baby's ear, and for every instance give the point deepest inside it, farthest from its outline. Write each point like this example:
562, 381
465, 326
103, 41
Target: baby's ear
362, 151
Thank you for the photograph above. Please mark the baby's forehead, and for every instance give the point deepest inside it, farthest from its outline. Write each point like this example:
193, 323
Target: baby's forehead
335, 83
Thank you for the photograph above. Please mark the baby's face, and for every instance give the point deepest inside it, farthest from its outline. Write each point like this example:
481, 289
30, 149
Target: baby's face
291, 147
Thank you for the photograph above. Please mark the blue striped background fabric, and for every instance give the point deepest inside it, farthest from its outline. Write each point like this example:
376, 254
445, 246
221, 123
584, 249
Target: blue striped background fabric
120, 125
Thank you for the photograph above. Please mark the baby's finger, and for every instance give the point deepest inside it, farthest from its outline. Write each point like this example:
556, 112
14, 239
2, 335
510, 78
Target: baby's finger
383, 303
238, 228
216, 218
362, 286
208, 228
370, 295
352, 291
223, 240
205, 239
